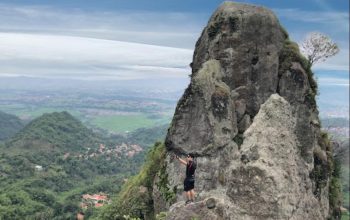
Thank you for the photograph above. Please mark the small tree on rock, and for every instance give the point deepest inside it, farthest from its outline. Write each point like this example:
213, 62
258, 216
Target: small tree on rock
318, 47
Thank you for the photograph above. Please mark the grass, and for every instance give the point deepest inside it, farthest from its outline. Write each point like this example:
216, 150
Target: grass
127, 123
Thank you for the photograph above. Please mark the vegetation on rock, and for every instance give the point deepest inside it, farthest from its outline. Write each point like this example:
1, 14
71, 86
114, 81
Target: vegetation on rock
135, 198
291, 53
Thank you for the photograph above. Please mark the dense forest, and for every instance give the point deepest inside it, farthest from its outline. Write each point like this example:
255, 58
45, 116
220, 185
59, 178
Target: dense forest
48, 165
9, 125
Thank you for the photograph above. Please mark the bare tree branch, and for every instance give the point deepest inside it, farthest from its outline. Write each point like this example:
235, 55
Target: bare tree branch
318, 47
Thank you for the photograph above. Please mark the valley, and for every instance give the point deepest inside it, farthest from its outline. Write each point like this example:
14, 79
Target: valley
113, 108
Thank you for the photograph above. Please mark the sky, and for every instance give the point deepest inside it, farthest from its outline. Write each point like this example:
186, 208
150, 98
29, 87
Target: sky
130, 40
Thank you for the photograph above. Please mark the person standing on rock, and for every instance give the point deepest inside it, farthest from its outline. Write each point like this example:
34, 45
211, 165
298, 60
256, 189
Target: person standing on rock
189, 180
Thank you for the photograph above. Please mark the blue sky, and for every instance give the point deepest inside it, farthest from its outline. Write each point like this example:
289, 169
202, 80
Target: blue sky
181, 6
119, 39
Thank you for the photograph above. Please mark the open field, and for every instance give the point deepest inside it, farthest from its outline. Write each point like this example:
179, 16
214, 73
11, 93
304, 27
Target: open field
113, 111
117, 123
127, 123
28, 113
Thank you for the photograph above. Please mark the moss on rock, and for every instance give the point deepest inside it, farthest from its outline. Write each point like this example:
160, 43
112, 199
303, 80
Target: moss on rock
168, 194
335, 191
238, 139
327, 169
290, 53
215, 28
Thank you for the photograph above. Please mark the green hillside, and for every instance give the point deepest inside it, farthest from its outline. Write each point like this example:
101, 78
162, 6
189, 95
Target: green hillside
71, 165
9, 125
58, 131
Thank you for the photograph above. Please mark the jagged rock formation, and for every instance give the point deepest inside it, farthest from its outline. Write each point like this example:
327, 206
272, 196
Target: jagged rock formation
269, 180
250, 116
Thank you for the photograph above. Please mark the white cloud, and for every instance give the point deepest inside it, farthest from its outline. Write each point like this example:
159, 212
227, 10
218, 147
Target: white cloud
333, 81
88, 58
338, 62
157, 28
35, 41
52, 42
339, 21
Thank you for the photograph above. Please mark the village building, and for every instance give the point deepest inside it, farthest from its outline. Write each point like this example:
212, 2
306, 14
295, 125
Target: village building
95, 200
38, 168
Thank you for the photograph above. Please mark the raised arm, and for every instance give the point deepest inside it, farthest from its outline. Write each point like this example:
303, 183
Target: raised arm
181, 160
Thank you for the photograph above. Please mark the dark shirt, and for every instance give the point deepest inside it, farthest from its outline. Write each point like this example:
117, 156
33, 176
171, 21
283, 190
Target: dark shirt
190, 169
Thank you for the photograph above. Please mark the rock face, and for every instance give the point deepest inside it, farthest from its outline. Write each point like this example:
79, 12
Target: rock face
250, 116
270, 181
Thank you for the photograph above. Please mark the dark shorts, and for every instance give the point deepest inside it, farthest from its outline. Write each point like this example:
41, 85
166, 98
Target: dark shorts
188, 184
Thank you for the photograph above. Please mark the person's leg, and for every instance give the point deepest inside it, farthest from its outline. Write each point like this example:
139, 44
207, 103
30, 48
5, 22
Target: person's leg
186, 190
188, 194
188, 197
192, 194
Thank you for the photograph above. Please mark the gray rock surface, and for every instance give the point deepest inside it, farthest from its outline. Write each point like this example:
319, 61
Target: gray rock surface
272, 183
249, 116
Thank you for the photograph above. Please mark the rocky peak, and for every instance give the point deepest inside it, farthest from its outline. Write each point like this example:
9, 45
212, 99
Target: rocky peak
242, 57
250, 116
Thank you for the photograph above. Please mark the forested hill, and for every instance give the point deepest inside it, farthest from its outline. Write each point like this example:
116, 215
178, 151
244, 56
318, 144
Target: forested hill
9, 125
47, 167
58, 131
